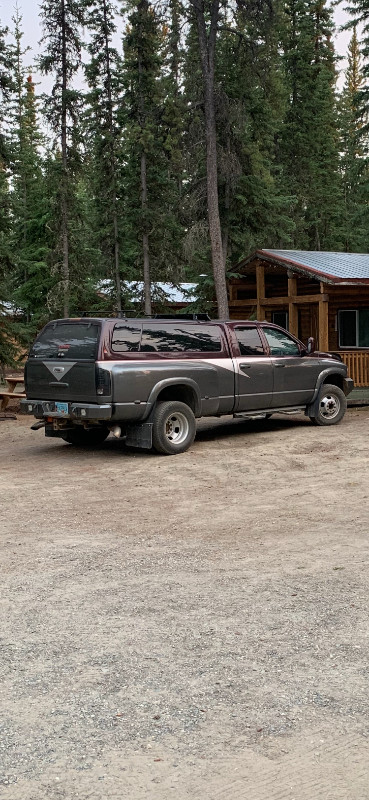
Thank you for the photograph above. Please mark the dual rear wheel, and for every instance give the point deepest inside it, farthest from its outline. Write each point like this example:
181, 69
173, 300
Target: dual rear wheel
174, 429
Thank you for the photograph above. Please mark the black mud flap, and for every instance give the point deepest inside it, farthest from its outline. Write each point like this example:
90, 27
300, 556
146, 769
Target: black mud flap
140, 436
312, 410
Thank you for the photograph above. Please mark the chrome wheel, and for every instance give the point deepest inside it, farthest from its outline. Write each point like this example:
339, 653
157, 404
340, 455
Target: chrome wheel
176, 428
330, 406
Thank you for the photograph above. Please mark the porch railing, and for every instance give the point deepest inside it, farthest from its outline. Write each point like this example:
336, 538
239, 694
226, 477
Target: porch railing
357, 366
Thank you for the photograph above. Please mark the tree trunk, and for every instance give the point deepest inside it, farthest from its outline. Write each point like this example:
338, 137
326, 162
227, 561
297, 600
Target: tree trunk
64, 202
227, 201
207, 53
145, 237
143, 6
118, 291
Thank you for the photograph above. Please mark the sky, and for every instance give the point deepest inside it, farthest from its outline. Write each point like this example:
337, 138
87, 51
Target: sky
29, 10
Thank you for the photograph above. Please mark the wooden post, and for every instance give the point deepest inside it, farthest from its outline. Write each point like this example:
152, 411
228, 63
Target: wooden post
293, 316
323, 320
260, 290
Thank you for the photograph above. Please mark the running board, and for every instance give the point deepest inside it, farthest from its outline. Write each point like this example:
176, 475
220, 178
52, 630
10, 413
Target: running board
263, 414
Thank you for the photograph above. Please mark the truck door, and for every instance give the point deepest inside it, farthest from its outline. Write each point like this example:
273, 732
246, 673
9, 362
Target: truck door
295, 372
254, 370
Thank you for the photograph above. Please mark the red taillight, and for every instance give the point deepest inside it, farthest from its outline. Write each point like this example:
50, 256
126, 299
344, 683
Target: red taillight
103, 381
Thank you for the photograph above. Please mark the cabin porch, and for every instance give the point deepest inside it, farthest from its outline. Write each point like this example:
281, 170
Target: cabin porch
335, 314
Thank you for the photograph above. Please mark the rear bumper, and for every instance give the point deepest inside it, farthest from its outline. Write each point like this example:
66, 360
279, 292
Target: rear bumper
47, 408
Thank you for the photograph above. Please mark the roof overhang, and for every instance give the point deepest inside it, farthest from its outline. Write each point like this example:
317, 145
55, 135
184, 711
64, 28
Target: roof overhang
281, 261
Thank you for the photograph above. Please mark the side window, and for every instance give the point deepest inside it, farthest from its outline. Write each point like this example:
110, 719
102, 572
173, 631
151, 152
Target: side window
178, 339
280, 343
249, 341
126, 338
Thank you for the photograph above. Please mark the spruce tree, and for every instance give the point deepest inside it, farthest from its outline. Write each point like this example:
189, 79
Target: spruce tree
251, 101
62, 21
30, 275
310, 141
207, 16
103, 100
149, 224
354, 164
359, 10
7, 350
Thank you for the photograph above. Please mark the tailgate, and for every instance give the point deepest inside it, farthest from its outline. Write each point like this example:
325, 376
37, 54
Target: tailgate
51, 380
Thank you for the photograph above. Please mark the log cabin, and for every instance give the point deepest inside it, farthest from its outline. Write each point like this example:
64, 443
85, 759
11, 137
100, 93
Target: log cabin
310, 293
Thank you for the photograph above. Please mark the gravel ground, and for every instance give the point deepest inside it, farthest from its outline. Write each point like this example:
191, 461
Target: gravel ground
190, 627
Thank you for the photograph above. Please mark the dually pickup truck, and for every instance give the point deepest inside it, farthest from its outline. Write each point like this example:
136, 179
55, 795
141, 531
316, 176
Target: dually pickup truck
149, 379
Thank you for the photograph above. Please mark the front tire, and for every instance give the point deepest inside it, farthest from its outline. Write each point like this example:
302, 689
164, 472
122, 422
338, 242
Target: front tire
80, 437
174, 427
332, 405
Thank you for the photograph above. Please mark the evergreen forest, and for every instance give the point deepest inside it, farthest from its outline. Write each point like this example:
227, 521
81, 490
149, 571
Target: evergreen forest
204, 129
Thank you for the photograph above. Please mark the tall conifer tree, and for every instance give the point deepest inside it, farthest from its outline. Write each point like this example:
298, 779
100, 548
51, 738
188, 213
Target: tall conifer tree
359, 10
30, 276
61, 21
207, 16
103, 99
6, 88
250, 110
147, 182
354, 164
310, 142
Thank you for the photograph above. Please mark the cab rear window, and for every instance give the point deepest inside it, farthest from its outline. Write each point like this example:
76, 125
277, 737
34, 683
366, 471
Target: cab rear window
67, 340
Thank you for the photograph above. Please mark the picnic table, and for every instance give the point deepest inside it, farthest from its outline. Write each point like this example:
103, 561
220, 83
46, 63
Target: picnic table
9, 392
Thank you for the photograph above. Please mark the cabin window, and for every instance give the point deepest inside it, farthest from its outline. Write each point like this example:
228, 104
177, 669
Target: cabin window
280, 318
353, 327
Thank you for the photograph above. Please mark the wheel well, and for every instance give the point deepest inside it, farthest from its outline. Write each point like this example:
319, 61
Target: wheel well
180, 392
334, 380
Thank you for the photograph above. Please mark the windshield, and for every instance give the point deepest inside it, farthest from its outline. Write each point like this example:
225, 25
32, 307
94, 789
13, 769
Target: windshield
67, 340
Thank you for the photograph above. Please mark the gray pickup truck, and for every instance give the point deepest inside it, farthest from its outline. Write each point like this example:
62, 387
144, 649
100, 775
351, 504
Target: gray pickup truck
148, 379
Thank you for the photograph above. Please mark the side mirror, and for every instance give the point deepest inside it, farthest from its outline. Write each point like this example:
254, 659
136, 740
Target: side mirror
310, 344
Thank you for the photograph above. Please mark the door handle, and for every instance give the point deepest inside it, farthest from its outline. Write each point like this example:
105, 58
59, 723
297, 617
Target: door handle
245, 366
279, 366
58, 383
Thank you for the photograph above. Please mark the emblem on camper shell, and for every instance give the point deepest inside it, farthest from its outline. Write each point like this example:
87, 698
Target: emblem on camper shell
57, 370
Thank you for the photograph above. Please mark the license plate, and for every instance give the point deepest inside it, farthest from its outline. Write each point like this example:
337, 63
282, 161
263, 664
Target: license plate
61, 408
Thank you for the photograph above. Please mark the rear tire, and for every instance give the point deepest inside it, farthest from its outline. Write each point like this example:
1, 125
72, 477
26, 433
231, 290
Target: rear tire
80, 437
174, 427
332, 405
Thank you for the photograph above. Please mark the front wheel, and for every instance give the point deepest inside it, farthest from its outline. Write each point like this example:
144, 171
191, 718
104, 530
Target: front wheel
332, 405
174, 427
81, 437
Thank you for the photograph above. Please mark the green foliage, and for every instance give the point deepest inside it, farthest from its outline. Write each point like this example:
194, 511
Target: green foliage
359, 10
354, 164
150, 135
310, 141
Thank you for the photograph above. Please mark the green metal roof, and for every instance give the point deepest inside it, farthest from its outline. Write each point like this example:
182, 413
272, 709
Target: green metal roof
334, 266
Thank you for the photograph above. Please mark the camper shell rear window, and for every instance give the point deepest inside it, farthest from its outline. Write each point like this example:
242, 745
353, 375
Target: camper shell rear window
67, 340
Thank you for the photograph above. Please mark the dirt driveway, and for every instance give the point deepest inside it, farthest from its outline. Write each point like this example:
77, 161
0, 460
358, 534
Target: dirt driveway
186, 627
